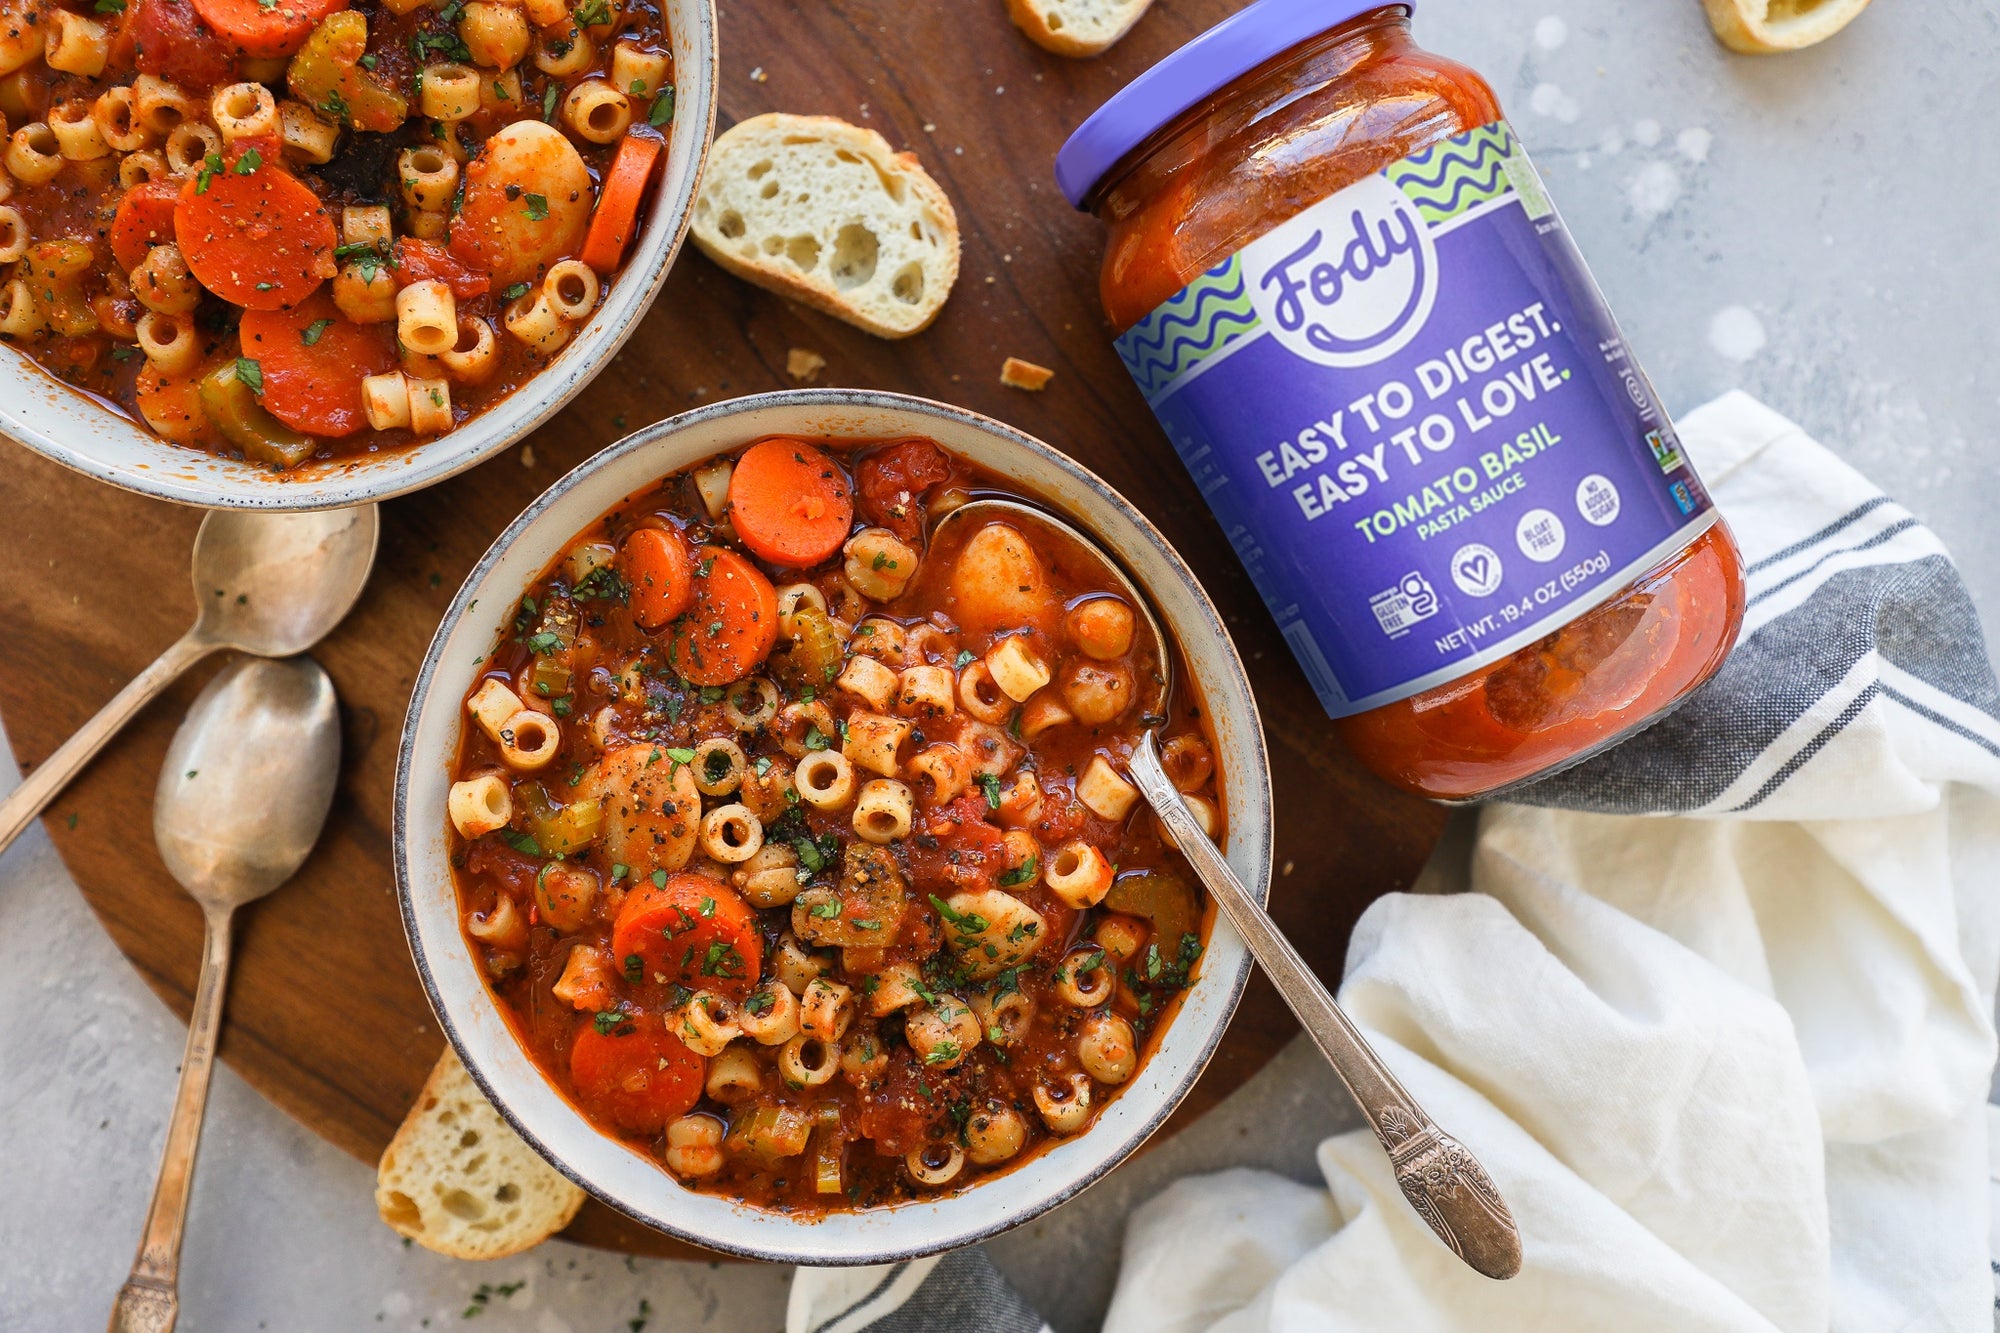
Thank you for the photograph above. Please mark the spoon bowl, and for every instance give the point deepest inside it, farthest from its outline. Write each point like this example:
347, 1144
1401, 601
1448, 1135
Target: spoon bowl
249, 779
273, 584
276, 584
987, 510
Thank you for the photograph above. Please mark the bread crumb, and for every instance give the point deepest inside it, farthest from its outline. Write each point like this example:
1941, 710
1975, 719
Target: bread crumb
758, 75
527, 455
804, 366
1019, 374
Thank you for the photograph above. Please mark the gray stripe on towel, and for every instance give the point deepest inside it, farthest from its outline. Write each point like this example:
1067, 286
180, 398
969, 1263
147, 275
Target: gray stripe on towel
1916, 614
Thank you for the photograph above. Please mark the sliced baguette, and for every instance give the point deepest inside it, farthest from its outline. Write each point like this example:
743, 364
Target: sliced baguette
457, 1179
1766, 27
1076, 27
824, 212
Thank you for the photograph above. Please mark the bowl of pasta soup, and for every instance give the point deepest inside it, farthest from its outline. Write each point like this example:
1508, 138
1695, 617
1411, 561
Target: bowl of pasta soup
774, 872
313, 256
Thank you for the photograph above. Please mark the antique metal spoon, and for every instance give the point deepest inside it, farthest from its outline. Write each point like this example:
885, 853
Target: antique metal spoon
1443, 1182
246, 788
272, 584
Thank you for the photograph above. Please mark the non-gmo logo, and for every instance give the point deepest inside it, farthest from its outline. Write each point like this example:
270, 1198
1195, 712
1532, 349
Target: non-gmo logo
1349, 281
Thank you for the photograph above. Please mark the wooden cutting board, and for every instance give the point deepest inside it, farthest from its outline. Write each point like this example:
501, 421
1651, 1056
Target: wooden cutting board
326, 1016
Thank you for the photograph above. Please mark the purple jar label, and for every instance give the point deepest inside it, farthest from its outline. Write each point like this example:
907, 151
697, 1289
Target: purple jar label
1418, 422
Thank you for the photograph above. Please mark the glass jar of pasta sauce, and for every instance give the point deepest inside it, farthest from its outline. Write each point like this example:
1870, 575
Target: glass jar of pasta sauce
1343, 290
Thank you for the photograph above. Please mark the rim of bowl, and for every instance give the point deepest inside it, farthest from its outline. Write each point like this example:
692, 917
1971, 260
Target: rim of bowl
214, 483
801, 1230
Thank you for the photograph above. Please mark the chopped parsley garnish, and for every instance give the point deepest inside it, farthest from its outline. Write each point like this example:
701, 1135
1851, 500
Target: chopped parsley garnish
367, 258
250, 374
680, 754
604, 583
816, 856
816, 739
635, 968
538, 207
942, 1053
549, 101
663, 108
608, 1020
722, 960
211, 167
515, 293
966, 657
969, 923
312, 331
591, 13
1021, 874
545, 643
827, 910
619, 871
659, 879
249, 162
990, 782
523, 843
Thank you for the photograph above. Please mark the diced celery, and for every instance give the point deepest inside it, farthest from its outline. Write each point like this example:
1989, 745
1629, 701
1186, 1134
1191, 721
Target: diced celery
232, 405
770, 1134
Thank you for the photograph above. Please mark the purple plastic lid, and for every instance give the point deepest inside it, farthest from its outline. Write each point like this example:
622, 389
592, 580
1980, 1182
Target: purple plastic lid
1231, 48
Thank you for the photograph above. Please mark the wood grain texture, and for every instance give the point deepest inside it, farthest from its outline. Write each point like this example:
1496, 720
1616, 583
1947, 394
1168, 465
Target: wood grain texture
326, 1015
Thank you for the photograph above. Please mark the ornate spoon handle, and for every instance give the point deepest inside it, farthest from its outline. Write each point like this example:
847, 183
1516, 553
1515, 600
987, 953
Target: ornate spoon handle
1442, 1181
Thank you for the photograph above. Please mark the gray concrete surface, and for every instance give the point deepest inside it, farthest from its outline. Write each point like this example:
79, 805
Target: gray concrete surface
1818, 229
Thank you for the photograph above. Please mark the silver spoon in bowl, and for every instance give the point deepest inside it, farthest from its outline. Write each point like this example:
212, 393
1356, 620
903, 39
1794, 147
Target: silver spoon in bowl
272, 584
246, 788
1443, 1182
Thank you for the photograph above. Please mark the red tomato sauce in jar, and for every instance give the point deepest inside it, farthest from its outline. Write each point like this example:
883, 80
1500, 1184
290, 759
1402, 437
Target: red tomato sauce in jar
1341, 286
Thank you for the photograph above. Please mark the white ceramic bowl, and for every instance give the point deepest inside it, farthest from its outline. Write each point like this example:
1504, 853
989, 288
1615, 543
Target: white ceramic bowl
617, 1174
53, 419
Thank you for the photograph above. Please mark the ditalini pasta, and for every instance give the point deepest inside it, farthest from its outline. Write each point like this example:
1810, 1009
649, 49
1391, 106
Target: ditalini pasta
821, 925
387, 295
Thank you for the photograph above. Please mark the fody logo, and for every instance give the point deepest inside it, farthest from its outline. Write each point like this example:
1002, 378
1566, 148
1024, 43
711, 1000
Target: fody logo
1350, 280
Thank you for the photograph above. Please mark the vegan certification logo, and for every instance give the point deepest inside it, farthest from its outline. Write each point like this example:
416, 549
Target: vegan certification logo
1348, 282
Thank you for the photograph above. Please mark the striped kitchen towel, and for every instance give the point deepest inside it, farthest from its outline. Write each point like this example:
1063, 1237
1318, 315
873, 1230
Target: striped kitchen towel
1716, 1011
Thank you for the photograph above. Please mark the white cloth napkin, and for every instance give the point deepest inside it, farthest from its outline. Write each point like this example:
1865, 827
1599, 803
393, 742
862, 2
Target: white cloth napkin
1729, 1067
1717, 1014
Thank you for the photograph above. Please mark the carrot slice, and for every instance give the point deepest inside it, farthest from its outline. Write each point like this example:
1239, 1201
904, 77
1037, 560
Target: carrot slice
253, 233
144, 219
313, 361
634, 1072
263, 31
692, 931
616, 220
791, 504
655, 564
728, 631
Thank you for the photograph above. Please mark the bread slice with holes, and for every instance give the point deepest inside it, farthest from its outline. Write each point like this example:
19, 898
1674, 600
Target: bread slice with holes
826, 213
1767, 27
457, 1179
1076, 27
